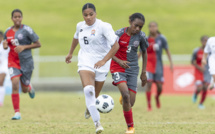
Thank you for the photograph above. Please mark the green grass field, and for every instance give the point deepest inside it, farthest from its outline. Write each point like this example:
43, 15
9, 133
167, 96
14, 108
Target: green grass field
63, 113
181, 21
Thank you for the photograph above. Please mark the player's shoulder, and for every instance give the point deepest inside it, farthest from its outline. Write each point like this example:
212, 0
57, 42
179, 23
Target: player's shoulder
162, 36
143, 35
28, 29
211, 39
8, 29
120, 31
195, 50
81, 23
102, 23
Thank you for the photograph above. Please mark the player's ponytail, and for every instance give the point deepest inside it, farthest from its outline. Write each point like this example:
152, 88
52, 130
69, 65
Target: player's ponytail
88, 5
136, 16
16, 10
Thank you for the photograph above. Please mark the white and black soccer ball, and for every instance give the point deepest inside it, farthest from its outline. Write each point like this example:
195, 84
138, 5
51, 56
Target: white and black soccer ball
104, 103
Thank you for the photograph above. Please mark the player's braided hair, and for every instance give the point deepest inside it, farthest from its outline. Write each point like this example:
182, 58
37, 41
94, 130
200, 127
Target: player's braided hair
137, 16
89, 5
16, 10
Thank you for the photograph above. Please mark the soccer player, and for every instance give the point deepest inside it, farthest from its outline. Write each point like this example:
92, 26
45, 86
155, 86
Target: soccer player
98, 44
20, 39
3, 67
154, 68
202, 74
124, 66
210, 49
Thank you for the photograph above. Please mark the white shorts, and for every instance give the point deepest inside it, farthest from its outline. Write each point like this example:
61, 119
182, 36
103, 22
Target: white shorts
99, 76
211, 63
3, 67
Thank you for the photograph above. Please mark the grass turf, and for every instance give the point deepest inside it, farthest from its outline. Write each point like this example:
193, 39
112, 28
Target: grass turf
181, 21
63, 113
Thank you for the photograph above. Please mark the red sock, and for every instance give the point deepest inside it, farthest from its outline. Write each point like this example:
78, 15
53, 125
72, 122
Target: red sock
129, 118
204, 94
15, 101
157, 99
148, 97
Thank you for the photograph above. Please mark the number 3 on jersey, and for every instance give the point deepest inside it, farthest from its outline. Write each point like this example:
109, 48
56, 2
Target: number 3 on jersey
86, 42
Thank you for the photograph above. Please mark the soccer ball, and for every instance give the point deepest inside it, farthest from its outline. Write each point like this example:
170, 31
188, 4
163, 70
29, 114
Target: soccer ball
104, 103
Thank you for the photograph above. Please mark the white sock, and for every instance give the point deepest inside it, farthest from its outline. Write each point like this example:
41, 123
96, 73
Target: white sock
90, 99
2, 94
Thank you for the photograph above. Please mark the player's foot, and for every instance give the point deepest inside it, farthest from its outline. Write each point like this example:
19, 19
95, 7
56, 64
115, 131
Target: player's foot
194, 98
157, 102
149, 109
99, 128
17, 116
31, 92
87, 114
201, 106
120, 100
130, 130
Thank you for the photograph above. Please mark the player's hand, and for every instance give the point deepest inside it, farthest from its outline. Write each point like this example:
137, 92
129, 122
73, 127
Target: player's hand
99, 64
19, 49
5, 44
204, 62
202, 69
143, 78
124, 64
15, 42
68, 58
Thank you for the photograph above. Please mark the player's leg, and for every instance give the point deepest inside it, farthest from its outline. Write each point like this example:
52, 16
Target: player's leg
159, 83
15, 78
150, 79
123, 88
199, 87
2, 90
203, 96
132, 87
159, 91
88, 82
26, 85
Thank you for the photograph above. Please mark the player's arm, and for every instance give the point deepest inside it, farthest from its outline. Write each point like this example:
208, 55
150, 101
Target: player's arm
144, 63
5, 44
20, 48
73, 46
170, 59
109, 55
197, 66
204, 59
122, 63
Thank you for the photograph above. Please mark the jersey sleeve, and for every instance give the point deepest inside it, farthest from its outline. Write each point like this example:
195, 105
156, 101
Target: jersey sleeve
207, 47
164, 42
194, 55
143, 42
31, 34
77, 30
109, 33
5, 33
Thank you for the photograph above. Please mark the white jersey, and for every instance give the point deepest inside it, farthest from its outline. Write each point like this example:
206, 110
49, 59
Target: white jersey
3, 59
95, 42
210, 49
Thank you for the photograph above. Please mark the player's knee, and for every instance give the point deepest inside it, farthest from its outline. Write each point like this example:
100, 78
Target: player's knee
89, 91
126, 98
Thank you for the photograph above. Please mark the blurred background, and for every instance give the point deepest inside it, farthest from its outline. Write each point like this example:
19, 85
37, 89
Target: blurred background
182, 22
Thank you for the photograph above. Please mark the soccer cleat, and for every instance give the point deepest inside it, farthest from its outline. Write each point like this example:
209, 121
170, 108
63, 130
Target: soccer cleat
87, 114
99, 128
157, 102
130, 130
194, 98
17, 116
120, 100
31, 92
201, 106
